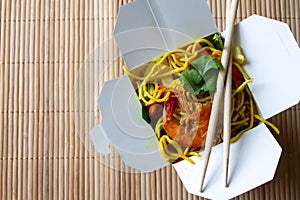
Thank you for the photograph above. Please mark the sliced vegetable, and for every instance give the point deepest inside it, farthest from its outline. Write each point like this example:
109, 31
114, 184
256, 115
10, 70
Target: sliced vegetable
238, 55
217, 42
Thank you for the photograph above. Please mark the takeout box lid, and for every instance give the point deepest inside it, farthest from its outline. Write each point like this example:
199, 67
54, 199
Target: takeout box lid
273, 60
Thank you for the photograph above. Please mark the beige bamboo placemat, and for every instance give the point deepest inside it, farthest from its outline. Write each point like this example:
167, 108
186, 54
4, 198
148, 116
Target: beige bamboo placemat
48, 104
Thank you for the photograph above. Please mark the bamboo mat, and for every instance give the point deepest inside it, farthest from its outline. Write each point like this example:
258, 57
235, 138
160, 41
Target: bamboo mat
51, 72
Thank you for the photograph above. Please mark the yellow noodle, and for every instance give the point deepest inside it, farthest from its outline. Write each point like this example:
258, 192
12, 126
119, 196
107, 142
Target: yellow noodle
187, 159
251, 108
186, 151
165, 151
241, 87
155, 98
164, 148
245, 75
267, 123
242, 122
192, 153
241, 98
238, 114
208, 98
158, 126
202, 40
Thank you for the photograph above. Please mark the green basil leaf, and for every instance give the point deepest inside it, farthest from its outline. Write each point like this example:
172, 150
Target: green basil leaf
205, 63
191, 80
202, 75
210, 80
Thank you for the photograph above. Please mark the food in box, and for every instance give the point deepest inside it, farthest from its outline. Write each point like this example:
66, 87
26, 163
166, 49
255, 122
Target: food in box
271, 51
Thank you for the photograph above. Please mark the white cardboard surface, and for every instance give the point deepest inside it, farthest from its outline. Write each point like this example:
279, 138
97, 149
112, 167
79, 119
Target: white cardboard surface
251, 163
145, 29
273, 61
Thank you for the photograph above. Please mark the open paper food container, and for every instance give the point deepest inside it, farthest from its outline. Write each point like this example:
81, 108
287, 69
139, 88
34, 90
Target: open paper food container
146, 29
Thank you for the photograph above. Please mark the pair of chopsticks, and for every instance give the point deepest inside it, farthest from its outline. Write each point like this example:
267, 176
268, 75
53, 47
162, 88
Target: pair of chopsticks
225, 74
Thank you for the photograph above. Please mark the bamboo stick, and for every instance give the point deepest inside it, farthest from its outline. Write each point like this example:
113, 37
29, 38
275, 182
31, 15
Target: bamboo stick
246, 7
61, 99
26, 178
97, 160
297, 21
224, 17
102, 181
12, 117
9, 97
214, 11
31, 100
76, 190
66, 67
264, 7
36, 97
55, 90
1, 123
297, 143
282, 184
2, 95
101, 165
16, 165
85, 104
21, 102
158, 184
180, 189
81, 101
72, 132
46, 143
52, 121
113, 14
174, 185
291, 187
41, 180
283, 10
142, 187
92, 44
105, 57
268, 8
219, 14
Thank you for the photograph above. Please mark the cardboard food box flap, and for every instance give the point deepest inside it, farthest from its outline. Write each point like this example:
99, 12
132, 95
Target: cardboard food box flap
273, 61
145, 29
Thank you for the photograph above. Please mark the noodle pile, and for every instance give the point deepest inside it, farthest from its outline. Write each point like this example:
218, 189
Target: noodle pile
160, 78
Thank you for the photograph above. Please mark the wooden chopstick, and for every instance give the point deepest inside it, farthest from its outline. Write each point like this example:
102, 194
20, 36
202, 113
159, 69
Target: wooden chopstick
227, 110
227, 121
220, 87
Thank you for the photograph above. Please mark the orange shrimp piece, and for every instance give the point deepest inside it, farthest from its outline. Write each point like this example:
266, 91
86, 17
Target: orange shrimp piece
191, 131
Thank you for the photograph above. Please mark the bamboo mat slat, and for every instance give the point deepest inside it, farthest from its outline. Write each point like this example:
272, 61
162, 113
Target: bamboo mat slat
51, 72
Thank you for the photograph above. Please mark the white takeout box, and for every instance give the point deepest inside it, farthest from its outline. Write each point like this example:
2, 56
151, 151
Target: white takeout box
146, 29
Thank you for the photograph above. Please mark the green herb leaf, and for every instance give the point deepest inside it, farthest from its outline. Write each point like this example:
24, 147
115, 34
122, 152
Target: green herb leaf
202, 76
191, 80
210, 80
204, 63
145, 114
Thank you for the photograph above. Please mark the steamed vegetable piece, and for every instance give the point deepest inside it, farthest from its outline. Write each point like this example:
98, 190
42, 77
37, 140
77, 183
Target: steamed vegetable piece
175, 92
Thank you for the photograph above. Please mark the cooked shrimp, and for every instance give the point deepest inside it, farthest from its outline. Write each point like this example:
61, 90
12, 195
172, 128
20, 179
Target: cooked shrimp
191, 130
